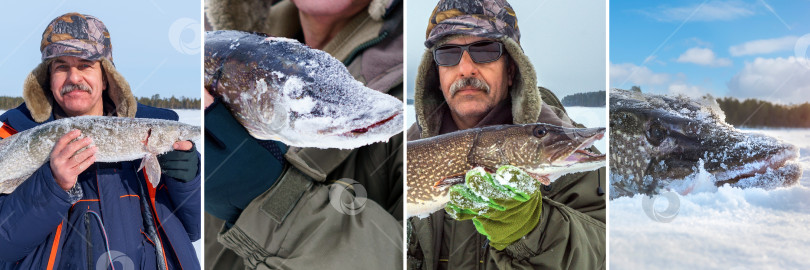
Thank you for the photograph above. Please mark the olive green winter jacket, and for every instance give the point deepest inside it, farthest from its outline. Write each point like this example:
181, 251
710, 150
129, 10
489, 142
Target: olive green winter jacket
571, 232
300, 223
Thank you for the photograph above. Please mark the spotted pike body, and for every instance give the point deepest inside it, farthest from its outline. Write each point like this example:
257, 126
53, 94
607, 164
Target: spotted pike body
117, 138
280, 89
545, 151
659, 142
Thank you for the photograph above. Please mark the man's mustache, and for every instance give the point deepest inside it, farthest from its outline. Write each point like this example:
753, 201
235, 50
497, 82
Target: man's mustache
73, 87
469, 81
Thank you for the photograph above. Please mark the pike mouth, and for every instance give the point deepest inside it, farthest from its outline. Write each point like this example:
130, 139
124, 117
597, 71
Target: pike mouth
752, 169
358, 131
579, 159
581, 154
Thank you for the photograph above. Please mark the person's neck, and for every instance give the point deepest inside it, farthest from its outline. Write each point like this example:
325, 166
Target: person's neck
319, 30
465, 122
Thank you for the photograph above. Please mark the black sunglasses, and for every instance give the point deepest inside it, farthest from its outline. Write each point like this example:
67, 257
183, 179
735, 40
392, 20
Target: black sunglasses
484, 51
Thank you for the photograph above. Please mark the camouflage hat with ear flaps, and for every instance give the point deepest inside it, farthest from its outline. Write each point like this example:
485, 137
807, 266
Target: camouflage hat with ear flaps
78, 35
483, 18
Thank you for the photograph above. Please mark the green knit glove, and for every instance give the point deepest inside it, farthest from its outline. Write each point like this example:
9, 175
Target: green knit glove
504, 207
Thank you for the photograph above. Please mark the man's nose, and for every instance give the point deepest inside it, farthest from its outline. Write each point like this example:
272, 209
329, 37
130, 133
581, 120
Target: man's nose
74, 76
467, 67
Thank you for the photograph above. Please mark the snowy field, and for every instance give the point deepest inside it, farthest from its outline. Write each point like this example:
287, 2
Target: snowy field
719, 228
588, 116
191, 117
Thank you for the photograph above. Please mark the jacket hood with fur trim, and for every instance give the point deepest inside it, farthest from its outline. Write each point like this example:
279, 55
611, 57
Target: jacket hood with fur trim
39, 98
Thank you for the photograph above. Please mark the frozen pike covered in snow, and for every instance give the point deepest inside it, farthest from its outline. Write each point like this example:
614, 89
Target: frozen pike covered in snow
658, 142
117, 138
546, 152
280, 89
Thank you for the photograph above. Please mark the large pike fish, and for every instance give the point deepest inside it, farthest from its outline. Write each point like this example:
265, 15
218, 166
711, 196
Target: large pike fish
544, 151
661, 142
117, 138
280, 89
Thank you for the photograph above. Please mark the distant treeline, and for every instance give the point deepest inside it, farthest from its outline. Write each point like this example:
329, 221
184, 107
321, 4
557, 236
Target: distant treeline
154, 101
170, 103
10, 102
758, 113
588, 99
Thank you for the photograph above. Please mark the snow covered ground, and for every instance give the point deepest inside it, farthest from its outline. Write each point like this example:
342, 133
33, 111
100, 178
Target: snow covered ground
588, 116
726, 228
191, 117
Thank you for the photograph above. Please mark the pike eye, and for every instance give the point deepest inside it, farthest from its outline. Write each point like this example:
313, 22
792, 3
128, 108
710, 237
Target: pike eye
656, 133
539, 132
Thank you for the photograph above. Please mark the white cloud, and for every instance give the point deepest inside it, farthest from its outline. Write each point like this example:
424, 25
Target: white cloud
764, 46
783, 80
630, 74
703, 57
625, 75
711, 11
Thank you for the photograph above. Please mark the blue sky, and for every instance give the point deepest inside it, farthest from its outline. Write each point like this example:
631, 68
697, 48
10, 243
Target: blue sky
565, 41
156, 44
743, 49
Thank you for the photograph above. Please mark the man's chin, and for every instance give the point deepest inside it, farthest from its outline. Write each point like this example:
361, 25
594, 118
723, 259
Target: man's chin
476, 110
75, 108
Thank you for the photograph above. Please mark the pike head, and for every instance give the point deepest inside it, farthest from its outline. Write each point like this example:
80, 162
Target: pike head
657, 141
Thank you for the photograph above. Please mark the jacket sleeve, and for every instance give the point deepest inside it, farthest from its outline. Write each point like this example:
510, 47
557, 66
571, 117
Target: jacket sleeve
187, 202
571, 233
303, 224
30, 213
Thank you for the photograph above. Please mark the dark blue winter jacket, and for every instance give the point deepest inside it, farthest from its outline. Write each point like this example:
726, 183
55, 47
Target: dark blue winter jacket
41, 229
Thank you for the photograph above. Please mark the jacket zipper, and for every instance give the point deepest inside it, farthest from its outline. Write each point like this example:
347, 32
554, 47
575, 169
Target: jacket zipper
89, 240
364, 46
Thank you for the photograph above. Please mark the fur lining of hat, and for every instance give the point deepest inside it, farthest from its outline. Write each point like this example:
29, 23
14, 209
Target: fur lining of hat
428, 98
39, 98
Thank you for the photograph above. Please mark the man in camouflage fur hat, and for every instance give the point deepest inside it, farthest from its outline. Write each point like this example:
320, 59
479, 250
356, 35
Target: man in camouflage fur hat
76, 213
474, 73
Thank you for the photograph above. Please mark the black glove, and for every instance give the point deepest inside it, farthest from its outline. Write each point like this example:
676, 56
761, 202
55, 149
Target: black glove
180, 165
238, 168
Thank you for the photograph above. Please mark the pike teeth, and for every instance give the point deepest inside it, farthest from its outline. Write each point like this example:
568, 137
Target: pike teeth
581, 153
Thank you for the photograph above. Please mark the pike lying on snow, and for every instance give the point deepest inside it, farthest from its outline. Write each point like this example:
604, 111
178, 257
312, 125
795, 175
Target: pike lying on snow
663, 142
279, 89
117, 138
544, 151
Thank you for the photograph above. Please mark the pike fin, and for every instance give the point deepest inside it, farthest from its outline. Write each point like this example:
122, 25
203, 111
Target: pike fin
449, 181
543, 179
150, 163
